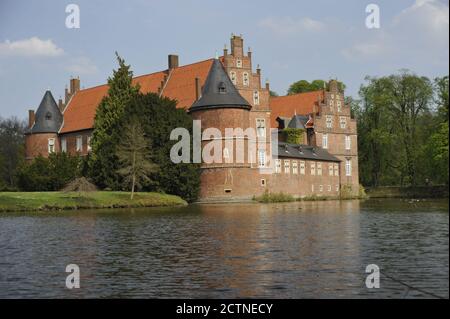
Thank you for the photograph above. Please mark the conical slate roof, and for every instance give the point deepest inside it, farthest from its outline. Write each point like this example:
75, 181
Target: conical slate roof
48, 116
219, 92
298, 121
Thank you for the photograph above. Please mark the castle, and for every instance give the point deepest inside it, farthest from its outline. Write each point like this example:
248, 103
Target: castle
226, 93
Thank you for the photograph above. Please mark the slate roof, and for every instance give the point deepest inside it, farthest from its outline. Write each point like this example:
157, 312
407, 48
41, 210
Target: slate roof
286, 150
219, 92
48, 118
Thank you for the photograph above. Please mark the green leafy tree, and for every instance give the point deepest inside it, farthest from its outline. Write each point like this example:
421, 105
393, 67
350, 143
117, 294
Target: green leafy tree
303, 86
103, 162
11, 150
134, 155
49, 174
159, 116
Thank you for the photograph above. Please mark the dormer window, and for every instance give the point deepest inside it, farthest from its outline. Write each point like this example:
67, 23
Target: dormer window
222, 88
48, 116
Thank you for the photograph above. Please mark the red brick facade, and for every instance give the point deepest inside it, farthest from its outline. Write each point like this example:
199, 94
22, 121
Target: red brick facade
232, 180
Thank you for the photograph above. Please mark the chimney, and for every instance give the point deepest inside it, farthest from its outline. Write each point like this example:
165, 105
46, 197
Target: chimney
74, 85
60, 104
249, 53
237, 46
225, 51
31, 118
173, 61
66, 95
267, 86
258, 70
198, 92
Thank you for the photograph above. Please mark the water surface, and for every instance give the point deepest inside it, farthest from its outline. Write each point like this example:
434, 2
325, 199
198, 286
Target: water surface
294, 250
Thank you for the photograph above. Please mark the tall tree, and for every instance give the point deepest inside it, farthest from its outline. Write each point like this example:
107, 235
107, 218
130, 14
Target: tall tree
303, 86
11, 149
103, 162
134, 155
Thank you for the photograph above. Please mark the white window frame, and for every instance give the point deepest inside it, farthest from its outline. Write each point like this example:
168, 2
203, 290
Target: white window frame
295, 167
245, 79
319, 169
261, 127
263, 182
302, 167
287, 166
233, 77
256, 97
348, 142
79, 143
329, 121
277, 166
321, 188
338, 105
239, 63
348, 167
63, 144
329, 188
51, 145
325, 141
343, 122
337, 187
313, 168
262, 158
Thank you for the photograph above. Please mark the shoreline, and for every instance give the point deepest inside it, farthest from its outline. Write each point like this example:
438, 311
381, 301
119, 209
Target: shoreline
59, 201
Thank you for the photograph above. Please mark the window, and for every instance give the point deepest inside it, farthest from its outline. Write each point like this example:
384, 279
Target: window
302, 167
245, 79
89, 148
325, 140
277, 166
336, 169
233, 77
348, 167
255, 97
319, 169
294, 167
262, 158
320, 188
338, 105
51, 145
287, 167
263, 182
312, 188
63, 145
348, 142
330, 169
48, 116
343, 121
239, 63
329, 188
261, 127
329, 120
313, 168
337, 188
79, 144
331, 103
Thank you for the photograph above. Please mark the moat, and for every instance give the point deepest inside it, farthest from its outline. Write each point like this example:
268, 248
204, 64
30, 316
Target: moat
292, 250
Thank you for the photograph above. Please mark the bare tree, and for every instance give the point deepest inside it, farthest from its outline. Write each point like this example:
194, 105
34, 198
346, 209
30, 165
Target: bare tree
133, 153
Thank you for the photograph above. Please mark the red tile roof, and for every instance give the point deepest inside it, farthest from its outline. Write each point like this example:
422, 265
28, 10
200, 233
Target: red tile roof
287, 106
180, 85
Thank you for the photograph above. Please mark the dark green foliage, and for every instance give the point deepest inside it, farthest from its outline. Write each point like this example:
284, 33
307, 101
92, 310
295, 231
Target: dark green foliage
159, 116
293, 135
402, 131
103, 162
11, 151
49, 174
303, 86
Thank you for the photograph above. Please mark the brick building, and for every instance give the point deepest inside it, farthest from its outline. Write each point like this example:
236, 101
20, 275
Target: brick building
226, 93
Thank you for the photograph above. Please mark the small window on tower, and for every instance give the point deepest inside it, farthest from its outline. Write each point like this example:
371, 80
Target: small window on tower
256, 98
222, 88
48, 116
245, 79
233, 77
51, 145
239, 63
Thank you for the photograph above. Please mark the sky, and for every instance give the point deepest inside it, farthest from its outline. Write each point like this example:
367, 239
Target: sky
290, 39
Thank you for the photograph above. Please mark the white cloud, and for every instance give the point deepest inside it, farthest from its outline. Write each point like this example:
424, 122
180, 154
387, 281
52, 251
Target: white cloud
30, 48
291, 26
81, 66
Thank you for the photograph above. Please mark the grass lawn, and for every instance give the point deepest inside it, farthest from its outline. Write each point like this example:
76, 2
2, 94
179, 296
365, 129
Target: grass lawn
28, 201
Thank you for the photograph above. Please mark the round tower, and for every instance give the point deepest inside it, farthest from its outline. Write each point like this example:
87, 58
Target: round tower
226, 132
41, 137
